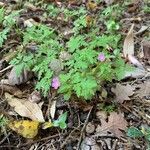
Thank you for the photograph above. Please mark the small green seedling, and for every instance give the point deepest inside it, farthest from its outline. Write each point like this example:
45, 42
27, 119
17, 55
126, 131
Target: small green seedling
134, 132
61, 121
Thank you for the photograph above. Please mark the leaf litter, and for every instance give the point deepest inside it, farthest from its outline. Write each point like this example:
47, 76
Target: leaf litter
115, 124
99, 122
25, 108
123, 92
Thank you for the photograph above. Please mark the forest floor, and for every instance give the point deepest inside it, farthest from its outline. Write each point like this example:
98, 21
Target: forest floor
116, 118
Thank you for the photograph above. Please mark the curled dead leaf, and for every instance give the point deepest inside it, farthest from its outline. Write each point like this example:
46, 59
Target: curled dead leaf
14, 79
128, 46
25, 108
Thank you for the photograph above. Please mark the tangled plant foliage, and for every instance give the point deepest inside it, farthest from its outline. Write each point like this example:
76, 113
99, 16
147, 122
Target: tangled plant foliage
89, 65
78, 66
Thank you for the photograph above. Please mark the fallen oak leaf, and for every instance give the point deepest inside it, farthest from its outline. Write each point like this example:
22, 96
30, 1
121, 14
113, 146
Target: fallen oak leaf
116, 122
25, 108
144, 91
123, 92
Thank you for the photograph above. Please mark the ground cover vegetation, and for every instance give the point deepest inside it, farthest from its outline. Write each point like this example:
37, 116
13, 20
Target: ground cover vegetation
72, 58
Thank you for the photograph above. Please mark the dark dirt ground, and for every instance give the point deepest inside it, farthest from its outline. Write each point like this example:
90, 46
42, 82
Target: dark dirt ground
84, 118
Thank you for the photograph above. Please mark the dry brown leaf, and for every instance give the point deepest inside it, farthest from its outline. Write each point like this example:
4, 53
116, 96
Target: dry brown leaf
143, 29
146, 49
35, 97
11, 89
25, 108
135, 62
116, 122
90, 128
128, 47
144, 91
14, 79
123, 92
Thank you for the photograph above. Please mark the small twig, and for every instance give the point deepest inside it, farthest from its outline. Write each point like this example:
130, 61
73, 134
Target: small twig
6, 137
141, 114
5, 69
43, 139
114, 144
83, 128
130, 111
69, 136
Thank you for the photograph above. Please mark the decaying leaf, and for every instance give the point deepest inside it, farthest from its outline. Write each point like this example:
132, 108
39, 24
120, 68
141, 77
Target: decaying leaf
143, 28
123, 92
14, 79
116, 122
26, 128
90, 128
146, 49
101, 115
35, 97
134, 61
25, 108
11, 89
128, 47
144, 91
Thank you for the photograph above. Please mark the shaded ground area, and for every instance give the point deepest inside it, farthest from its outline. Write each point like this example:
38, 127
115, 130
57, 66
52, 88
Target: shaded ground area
99, 124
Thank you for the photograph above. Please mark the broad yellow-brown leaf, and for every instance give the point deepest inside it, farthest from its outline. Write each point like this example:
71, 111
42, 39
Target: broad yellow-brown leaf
26, 128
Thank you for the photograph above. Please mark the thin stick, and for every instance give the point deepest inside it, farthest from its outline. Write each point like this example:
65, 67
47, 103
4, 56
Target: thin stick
43, 139
83, 128
5, 69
